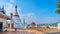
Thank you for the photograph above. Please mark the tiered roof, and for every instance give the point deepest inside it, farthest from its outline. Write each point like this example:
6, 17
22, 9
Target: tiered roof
3, 15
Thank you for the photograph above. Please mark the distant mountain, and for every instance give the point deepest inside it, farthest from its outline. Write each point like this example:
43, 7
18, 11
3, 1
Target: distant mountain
51, 24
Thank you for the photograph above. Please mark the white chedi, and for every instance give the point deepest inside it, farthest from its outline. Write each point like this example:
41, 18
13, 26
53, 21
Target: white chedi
17, 23
58, 26
16, 19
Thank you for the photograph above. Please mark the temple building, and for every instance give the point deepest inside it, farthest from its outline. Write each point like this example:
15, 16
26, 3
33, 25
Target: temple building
3, 18
32, 25
12, 21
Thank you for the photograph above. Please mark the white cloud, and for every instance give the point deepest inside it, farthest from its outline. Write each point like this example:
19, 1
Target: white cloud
47, 20
11, 1
28, 14
39, 20
28, 17
9, 8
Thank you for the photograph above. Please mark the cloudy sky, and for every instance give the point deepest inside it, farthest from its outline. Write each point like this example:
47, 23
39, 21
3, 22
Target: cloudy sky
39, 11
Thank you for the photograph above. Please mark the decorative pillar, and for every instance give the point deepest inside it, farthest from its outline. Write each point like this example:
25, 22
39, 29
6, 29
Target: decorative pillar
10, 22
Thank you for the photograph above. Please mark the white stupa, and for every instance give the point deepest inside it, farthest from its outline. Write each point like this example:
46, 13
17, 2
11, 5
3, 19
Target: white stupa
16, 19
58, 26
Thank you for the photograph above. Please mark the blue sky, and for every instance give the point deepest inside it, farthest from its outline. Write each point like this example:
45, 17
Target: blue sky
41, 8
39, 11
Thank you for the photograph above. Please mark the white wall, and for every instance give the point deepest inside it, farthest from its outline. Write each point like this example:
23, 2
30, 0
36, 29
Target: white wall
17, 23
58, 26
1, 20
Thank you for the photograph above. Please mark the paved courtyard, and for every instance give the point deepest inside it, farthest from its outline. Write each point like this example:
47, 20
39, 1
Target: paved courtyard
23, 32
18, 32
54, 33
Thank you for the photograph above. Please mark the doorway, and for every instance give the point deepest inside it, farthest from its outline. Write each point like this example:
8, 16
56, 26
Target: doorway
1, 24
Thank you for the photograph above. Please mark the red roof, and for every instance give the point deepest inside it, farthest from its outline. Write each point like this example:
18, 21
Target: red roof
33, 23
15, 15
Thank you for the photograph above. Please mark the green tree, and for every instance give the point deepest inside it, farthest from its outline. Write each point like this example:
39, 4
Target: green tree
58, 7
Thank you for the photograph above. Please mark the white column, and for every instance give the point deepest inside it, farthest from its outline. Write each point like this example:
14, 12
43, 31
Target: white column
10, 25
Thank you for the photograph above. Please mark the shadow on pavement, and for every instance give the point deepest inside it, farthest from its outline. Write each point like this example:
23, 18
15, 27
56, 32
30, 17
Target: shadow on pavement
54, 33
